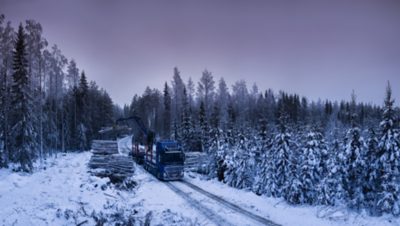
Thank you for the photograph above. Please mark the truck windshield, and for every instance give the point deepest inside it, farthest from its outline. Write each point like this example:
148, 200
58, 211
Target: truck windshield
170, 158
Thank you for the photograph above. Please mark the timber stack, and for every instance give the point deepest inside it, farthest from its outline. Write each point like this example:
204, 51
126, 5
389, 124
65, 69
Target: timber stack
107, 162
196, 162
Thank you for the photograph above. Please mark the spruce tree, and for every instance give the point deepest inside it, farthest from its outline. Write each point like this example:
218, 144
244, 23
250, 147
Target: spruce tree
82, 116
355, 164
280, 153
388, 160
23, 133
371, 182
310, 167
264, 146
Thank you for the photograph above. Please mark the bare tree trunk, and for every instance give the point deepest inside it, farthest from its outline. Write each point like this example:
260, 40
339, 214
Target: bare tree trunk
41, 113
6, 110
62, 130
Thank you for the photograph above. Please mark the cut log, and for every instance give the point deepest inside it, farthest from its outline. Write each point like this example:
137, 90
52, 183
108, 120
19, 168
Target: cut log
106, 162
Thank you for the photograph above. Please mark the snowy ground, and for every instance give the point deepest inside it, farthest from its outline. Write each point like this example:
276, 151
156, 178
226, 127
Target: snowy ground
66, 194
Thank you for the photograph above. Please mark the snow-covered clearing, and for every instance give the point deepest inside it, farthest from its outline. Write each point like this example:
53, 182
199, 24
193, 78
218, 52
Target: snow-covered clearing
66, 194
62, 194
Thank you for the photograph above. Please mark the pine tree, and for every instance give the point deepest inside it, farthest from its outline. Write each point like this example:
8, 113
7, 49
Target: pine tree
23, 133
205, 91
177, 101
388, 160
222, 101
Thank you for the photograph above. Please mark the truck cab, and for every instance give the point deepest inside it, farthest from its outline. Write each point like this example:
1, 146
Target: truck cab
165, 160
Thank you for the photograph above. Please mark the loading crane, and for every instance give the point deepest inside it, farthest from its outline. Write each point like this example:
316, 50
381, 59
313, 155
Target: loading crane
142, 141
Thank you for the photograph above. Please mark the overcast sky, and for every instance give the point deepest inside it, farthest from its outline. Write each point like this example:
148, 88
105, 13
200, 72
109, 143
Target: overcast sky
319, 49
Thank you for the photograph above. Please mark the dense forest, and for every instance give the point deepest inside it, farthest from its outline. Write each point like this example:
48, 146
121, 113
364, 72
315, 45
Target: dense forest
47, 104
280, 144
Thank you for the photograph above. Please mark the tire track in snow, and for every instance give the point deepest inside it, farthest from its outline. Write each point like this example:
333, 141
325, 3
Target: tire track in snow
230, 205
209, 214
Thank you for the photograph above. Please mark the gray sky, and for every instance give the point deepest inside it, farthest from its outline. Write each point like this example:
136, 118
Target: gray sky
320, 49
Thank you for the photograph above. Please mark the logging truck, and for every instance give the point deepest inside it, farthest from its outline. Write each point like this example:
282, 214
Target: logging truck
164, 159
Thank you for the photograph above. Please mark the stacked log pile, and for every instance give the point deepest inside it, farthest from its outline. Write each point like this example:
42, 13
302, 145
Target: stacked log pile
195, 161
107, 162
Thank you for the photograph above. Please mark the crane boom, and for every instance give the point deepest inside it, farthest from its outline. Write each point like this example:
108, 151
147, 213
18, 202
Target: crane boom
149, 135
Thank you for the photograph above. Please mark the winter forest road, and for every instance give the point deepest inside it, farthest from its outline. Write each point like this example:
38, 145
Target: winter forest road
215, 209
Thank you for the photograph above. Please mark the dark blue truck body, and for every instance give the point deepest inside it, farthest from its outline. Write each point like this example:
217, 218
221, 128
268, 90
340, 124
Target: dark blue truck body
165, 160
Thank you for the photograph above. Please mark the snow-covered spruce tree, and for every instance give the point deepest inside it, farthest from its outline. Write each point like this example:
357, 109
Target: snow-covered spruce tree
337, 148
355, 165
280, 153
310, 170
269, 186
240, 170
23, 133
295, 189
371, 182
330, 187
388, 160
262, 157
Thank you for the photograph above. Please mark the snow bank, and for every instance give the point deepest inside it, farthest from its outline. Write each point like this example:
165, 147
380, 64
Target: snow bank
282, 213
